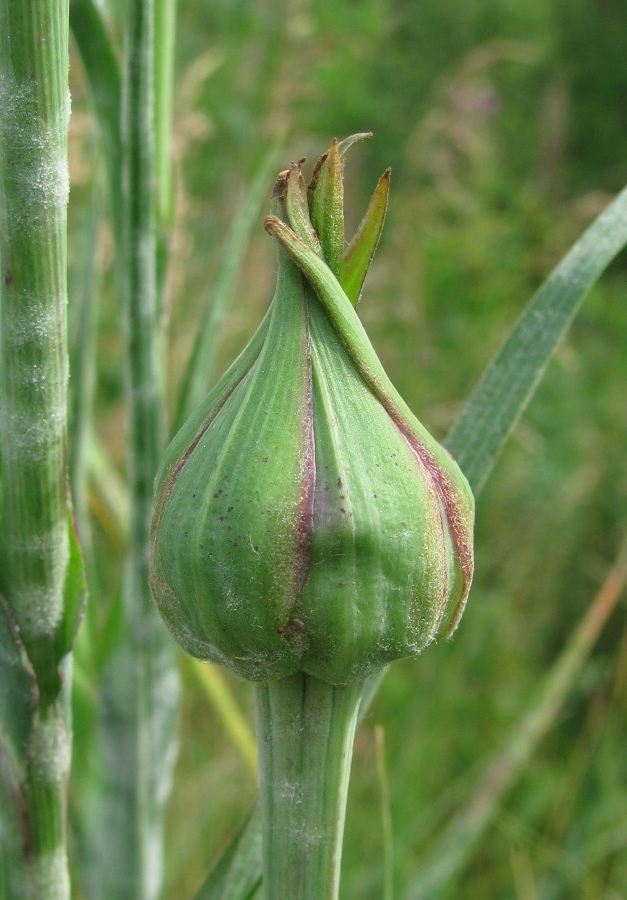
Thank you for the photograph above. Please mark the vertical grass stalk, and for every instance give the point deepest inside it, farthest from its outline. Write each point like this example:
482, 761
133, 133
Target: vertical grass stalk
143, 372
146, 426
142, 684
306, 729
164, 43
36, 544
137, 720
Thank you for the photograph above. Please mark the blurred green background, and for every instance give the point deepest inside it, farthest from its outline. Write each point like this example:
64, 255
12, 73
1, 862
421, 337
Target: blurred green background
505, 124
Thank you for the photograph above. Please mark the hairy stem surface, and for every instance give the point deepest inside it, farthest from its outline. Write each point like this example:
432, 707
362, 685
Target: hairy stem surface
306, 729
36, 630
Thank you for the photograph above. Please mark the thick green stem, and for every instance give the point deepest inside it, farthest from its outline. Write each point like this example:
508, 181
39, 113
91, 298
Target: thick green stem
306, 729
35, 547
33, 333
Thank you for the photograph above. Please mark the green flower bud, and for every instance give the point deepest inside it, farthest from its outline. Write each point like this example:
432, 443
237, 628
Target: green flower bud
304, 519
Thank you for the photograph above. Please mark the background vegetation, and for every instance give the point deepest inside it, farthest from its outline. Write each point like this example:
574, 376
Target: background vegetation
506, 129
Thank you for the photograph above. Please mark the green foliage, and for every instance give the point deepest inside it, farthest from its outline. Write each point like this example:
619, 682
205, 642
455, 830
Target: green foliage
505, 126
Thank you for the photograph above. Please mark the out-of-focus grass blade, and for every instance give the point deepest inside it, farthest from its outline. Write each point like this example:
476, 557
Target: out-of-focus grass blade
165, 33
214, 685
83, 314
75, 590
164, 38
237, 874
109, 495
198, 374
454, 848
510, 380
114, 821
386, 815
103, 73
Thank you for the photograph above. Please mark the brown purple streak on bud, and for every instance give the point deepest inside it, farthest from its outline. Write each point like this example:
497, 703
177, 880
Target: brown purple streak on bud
304, 525
447, 494
435, 499
178, 468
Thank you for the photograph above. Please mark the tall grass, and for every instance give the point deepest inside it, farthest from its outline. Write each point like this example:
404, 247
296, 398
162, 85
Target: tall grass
486, 116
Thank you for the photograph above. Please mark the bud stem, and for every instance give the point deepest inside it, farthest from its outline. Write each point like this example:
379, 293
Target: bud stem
306, 729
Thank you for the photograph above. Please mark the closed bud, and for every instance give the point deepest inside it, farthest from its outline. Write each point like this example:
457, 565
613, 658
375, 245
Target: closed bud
304, 519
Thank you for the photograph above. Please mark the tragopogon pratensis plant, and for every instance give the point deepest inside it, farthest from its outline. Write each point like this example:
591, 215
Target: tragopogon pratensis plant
308, 530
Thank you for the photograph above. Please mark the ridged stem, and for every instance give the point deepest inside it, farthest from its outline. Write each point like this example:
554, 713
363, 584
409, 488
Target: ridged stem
34, 104
150, 692
142, 324
306, 729
164, 41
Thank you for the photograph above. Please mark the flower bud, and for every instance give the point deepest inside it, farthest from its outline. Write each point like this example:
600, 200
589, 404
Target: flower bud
304, 519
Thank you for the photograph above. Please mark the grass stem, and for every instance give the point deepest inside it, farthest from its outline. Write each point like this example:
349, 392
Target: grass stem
140, 690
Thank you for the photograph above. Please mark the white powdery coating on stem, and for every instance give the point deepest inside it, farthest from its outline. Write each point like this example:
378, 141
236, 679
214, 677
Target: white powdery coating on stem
288, 792
41, 606
48, 876
38, 152
41, 610
143, 252
20, 331
30, 438
33, 413
49, 751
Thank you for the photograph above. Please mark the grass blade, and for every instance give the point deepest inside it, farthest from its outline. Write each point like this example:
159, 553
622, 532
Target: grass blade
103, 73
386, 815
139, 691
84, 307
198, 375
165, 33
512, 377
237, 874
217, 691
140, 744
454, 848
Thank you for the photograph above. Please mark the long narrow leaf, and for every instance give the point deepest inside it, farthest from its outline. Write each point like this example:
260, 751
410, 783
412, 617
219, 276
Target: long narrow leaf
103, 73
237, 875
220, 696
454, 848
83, 307
139, 688
197, 377
509, 382
165, 34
